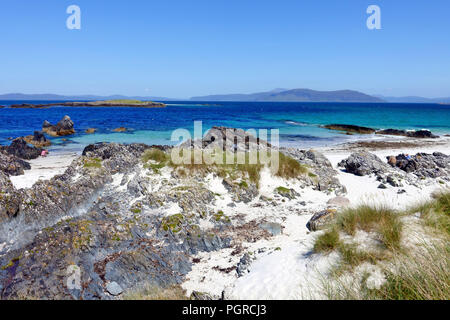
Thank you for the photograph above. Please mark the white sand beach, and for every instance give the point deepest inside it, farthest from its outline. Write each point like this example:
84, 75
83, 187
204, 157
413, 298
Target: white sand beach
44, 168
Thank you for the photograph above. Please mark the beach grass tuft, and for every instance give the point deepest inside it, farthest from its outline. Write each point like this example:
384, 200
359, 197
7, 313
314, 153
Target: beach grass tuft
224, 164
382, 220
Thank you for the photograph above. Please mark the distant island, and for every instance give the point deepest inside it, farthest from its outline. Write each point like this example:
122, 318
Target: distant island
276, 95
85, 97
295, 95
102, 103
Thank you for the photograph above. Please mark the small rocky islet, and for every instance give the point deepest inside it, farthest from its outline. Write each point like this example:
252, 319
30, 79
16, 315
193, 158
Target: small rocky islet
103, 103
353, 129
126, 216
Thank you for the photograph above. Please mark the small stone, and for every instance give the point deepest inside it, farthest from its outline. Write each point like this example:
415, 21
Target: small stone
272, 227
114, 288
339, 202
382, 186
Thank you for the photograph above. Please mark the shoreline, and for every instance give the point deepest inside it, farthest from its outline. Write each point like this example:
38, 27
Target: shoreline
59, 158
271, 263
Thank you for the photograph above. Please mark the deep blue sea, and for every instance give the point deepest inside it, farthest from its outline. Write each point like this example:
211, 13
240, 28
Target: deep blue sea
299, 123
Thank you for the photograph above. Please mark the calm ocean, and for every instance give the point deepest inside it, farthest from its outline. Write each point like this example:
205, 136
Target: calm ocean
298, 122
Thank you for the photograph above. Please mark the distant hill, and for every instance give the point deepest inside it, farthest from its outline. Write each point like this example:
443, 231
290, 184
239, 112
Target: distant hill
300, 95
414, 99
56, 97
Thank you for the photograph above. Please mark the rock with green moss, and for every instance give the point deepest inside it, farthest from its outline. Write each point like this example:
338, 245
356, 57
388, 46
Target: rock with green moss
287, 193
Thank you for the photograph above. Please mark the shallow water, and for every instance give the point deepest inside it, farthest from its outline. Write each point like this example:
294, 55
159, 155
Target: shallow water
299, 123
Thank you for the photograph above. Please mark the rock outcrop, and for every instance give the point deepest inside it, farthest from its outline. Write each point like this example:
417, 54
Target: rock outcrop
364, 163
423, 165
227, 139
94, 223
421, 134
10, 199
38, 140
322, 175
350, 128
12, 165
64, 127
20, 148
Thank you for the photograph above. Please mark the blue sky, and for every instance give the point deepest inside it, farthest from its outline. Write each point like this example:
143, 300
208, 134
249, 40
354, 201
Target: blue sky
187, 48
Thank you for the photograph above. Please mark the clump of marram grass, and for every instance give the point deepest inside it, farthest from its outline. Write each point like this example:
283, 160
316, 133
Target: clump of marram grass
382, 220
436, 213
152, 292
223, 163
327, 241
351, 256
155, 155
289, 167
419, 275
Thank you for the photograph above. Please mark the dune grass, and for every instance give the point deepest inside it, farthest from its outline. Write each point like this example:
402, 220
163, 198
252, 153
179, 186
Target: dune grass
289, 167
327, 241
436, 213
224, 164
422, 275
417, 273
382, 220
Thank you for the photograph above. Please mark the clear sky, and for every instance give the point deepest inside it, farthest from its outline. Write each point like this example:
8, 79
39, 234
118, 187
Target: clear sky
196, 47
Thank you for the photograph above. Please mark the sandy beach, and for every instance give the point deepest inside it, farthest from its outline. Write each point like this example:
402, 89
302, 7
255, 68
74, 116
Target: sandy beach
44, 168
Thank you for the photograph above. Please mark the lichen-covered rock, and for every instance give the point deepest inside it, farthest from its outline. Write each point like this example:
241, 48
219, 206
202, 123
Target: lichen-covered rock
241, 192
287, 193
10, 199
12, 165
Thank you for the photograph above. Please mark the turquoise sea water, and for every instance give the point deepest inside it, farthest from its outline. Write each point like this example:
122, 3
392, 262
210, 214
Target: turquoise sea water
299, 123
